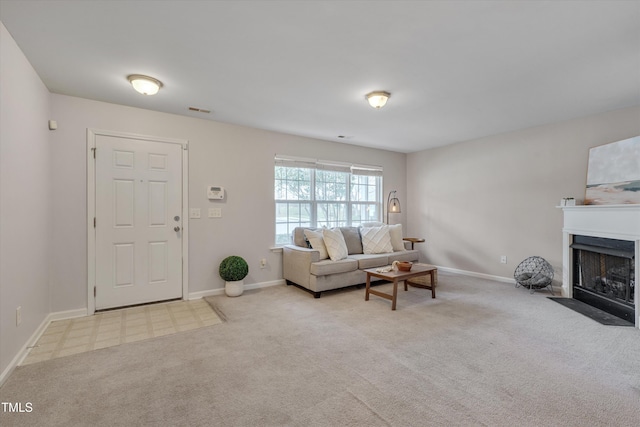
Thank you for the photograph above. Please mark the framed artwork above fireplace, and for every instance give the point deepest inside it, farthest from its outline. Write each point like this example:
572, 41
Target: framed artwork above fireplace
613, 174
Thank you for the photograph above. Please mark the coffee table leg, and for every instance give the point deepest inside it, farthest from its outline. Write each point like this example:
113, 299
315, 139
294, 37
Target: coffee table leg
395, 294
366, 294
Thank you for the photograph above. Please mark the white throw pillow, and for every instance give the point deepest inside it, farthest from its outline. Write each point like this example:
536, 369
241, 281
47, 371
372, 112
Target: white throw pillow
395, 232
335, 243
376, 240
317, 242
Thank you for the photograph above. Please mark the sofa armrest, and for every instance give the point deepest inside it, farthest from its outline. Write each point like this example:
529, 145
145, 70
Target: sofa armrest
296, 263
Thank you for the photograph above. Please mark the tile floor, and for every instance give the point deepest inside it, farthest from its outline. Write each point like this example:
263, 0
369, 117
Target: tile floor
110, 328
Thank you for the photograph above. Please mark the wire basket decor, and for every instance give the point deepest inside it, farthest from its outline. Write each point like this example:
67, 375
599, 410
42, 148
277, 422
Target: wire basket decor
534, 273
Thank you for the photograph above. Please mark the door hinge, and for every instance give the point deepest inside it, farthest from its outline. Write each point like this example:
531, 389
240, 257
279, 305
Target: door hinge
94, 152
94, 291
94, 222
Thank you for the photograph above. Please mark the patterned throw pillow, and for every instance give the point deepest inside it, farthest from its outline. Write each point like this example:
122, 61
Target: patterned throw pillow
317, 242
376, 240
334, 241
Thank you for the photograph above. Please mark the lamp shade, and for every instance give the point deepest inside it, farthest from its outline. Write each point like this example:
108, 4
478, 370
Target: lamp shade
144, 84
393, 204
378, 99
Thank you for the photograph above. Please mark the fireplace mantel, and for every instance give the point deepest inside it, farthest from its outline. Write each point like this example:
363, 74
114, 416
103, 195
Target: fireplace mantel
620, 222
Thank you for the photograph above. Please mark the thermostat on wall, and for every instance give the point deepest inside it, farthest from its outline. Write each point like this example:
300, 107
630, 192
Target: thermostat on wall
215, 193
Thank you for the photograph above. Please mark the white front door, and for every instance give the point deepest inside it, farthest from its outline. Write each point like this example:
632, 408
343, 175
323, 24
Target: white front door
138, 225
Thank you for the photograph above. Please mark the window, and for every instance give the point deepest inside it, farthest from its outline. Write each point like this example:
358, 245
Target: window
316, 194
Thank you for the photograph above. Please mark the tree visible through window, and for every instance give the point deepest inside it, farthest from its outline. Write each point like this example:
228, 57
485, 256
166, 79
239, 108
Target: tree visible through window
321, 194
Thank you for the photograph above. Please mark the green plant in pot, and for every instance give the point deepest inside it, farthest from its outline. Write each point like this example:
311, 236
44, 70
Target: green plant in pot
233, 270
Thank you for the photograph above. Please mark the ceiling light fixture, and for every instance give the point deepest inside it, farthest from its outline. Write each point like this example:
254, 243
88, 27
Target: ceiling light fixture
378, 99
144, 84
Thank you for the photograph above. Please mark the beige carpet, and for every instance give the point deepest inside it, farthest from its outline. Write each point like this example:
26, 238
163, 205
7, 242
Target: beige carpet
115, 327
481, 353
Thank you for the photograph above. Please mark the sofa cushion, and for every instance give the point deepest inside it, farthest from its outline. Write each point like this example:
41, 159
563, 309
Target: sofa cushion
406, 255
352, 239
376, 240
395, 233
370, 260
334, 241
325, 267
317, 242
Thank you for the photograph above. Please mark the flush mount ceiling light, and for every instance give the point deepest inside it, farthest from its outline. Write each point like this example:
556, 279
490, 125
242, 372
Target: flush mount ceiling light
144, 84
378, 99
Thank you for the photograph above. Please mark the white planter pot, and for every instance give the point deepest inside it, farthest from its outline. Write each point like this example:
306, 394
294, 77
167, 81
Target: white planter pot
234, 289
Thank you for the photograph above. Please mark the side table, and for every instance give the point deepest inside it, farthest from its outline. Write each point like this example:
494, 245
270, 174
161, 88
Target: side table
413, 240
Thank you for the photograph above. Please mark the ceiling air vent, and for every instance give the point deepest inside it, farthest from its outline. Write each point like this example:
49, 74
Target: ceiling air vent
199, 110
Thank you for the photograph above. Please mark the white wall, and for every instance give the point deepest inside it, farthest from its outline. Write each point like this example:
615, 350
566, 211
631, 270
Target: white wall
481, 199
240, 159
25, 199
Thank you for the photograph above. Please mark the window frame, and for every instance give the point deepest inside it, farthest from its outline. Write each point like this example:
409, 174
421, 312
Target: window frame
350, 205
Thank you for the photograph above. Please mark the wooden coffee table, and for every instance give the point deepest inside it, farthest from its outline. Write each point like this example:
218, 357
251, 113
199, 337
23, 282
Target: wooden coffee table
395, 276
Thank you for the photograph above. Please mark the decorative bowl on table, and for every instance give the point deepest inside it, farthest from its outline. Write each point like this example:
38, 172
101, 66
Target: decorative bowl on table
404, 266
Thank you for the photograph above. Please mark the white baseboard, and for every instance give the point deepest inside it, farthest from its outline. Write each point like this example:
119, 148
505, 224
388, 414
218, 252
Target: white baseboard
69, 314
24, 351
265, 284
509, 280
220, 291
478, 275
202, 294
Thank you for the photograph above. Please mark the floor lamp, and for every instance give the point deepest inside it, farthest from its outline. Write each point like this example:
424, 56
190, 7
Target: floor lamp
393, 204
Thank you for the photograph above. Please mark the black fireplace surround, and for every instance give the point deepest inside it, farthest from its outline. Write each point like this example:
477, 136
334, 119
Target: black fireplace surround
603, 274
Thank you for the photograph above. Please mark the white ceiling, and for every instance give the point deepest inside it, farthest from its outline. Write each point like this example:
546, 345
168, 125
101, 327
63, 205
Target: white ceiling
457, 70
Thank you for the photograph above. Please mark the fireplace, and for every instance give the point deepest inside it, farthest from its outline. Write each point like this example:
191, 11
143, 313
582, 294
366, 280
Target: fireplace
604, 274
601, 256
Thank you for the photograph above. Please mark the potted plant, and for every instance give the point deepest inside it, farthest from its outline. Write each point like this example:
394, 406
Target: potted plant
233, 270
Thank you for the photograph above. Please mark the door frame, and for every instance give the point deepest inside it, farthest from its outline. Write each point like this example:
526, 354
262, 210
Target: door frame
91, 207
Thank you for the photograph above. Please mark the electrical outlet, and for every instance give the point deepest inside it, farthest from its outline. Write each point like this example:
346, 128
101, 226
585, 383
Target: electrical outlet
263, 263
18, 316
503, 259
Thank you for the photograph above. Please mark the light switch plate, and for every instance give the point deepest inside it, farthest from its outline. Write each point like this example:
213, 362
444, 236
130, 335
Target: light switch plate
215, 212
194, 213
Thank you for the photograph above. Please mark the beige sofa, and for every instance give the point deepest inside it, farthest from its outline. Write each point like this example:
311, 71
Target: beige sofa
303, 266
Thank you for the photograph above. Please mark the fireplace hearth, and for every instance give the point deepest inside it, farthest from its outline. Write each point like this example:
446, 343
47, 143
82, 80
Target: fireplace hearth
604, 274
601, 257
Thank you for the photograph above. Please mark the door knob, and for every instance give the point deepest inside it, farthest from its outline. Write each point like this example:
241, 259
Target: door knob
176, 228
